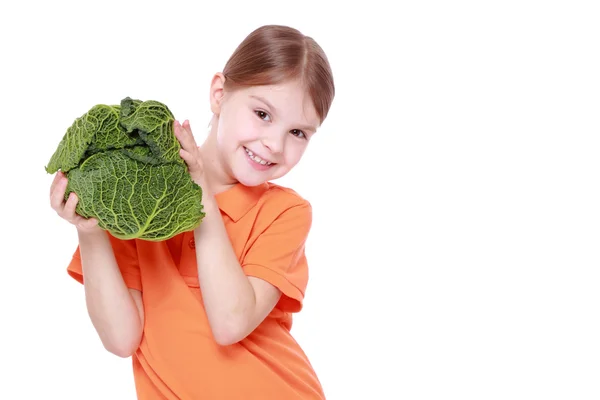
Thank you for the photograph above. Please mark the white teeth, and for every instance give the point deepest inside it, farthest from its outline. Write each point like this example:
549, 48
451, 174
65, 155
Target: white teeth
257, 159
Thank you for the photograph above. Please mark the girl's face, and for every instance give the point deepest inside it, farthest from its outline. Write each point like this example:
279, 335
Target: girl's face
263, 131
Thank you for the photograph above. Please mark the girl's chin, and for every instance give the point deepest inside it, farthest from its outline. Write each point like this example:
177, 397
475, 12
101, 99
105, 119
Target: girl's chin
247, 178
250, 173
254, 178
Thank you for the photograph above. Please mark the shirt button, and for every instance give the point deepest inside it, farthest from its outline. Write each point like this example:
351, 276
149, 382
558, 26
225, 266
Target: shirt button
192, 243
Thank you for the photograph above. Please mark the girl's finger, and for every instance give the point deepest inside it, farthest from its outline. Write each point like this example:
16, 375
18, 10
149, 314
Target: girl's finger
91, 222
185, 137
187, 157
85, 223
58, 194
179, 133
69, 210
56, 179
79, 221
187, 127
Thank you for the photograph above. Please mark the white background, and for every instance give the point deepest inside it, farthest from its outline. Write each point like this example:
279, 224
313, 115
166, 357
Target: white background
454, 253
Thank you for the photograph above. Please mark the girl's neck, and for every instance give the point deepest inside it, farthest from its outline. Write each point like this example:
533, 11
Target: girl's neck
216, 177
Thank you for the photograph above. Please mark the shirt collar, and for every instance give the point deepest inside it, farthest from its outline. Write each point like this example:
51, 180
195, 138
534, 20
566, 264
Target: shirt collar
239, 199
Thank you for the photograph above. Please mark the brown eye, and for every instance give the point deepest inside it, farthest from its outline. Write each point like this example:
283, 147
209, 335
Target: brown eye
298, 133
262, 115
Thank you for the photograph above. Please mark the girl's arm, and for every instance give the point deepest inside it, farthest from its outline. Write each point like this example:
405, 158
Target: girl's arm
116, 311
235, 303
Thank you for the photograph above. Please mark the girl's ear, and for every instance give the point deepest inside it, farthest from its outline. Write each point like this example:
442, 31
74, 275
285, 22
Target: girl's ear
217, 93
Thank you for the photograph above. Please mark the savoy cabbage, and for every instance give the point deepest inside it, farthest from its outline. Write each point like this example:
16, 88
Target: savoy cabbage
123, 163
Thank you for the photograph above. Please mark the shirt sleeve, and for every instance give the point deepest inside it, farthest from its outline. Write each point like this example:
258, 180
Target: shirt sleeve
126, 255
278, 255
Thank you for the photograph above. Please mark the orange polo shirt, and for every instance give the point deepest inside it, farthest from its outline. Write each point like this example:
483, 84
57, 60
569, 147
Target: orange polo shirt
178, 357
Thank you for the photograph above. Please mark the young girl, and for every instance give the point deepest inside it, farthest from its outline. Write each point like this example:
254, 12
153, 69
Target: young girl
207, 314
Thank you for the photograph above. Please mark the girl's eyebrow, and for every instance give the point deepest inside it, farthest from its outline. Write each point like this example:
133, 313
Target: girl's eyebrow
269, 105
274, 111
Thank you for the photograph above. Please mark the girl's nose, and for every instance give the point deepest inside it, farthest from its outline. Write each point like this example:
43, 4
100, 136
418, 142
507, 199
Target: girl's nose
274, 142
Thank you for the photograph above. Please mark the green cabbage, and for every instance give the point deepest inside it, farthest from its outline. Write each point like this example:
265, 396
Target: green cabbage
123, 163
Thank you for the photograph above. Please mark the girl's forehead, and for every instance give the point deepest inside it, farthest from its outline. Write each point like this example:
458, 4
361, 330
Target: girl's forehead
287, 98
286, 89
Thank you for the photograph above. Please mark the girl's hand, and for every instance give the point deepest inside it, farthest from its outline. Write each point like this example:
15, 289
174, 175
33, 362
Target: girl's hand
190, 152
66, 209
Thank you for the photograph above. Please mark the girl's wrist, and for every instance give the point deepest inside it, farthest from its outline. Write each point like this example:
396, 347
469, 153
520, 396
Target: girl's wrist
90, 234
209, 204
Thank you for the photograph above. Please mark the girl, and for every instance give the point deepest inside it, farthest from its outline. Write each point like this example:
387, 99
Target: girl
207, 314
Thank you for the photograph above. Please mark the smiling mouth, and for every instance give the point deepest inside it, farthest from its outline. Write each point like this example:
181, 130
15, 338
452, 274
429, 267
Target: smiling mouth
257, 159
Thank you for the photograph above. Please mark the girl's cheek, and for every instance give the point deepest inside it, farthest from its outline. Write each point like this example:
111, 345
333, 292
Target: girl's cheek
250, 132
